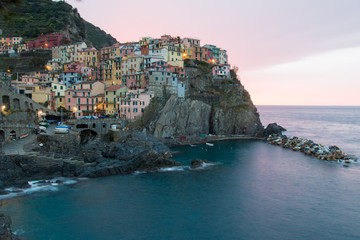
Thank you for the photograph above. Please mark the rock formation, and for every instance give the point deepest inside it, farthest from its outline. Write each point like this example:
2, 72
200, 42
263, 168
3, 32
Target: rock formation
273, 128
196, 163
182, 117
63, 156
211, 106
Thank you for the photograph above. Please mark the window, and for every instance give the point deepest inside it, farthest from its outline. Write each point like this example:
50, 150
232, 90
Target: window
55, 86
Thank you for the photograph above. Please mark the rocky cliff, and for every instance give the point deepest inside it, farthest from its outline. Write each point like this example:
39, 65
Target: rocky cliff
211, 106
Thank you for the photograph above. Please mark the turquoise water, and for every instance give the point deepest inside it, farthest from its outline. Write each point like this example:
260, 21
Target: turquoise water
254, 191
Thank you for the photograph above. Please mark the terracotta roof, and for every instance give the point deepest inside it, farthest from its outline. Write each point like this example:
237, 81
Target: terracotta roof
114, 88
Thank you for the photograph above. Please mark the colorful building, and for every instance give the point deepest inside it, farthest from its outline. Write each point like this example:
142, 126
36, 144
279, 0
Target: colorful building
221, 72
90, 57
111, 94
48, 41
132, 106
131, 64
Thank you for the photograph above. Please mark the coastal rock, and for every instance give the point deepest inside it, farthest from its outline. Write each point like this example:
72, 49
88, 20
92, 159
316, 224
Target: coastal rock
273, 128
196, 163
5, 228
97, 158
130, 145
329, 153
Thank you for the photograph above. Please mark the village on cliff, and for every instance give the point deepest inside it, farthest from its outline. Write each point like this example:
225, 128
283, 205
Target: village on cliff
119, 80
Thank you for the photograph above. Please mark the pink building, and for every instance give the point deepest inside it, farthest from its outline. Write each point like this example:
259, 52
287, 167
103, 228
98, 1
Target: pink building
134, 81
81, 98
132, 106
177, 70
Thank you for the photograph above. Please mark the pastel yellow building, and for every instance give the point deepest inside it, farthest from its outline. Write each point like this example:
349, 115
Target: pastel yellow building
111, 95
188, 53
90, 57
42, 95
175, 55
131, 64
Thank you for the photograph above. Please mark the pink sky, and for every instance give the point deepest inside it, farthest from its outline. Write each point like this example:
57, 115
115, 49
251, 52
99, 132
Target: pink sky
298, 52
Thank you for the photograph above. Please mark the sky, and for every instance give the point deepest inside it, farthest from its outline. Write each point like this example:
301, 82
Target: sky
289, 52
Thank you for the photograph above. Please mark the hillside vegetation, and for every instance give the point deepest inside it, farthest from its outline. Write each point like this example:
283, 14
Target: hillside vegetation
35, 17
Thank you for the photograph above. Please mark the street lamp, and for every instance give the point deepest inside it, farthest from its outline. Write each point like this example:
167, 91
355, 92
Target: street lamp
74, 110
40, 113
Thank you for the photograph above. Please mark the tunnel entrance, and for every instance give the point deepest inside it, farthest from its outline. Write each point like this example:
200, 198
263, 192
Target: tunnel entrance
87, 135
2, 136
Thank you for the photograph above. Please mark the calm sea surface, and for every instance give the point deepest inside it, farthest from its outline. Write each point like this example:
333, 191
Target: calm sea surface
254, 191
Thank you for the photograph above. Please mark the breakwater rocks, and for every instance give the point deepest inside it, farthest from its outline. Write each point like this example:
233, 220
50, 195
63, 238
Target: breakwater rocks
309, 147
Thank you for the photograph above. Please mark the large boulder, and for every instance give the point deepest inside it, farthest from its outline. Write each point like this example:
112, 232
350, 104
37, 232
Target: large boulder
273, 128
196, 163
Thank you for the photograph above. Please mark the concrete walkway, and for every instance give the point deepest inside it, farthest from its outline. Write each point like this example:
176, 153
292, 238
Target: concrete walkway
16, 147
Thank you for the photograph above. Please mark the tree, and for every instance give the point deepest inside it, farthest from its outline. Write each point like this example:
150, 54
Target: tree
6, 5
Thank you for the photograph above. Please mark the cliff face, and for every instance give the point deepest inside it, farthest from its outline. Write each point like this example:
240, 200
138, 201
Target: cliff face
182, 117
211, 106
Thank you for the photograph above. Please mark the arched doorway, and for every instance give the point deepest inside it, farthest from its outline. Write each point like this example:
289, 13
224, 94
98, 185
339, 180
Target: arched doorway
12, 135
6, 102
2, 136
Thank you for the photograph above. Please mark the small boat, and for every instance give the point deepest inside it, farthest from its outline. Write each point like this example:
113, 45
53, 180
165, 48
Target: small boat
63, 126
193, 145
61, 129
23, 135
210, 144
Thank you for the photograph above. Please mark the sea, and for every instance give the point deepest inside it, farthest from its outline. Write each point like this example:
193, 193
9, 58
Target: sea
251, 190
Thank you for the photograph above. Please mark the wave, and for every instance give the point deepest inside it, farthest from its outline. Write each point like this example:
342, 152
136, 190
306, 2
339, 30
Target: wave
51, 185
172, 169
